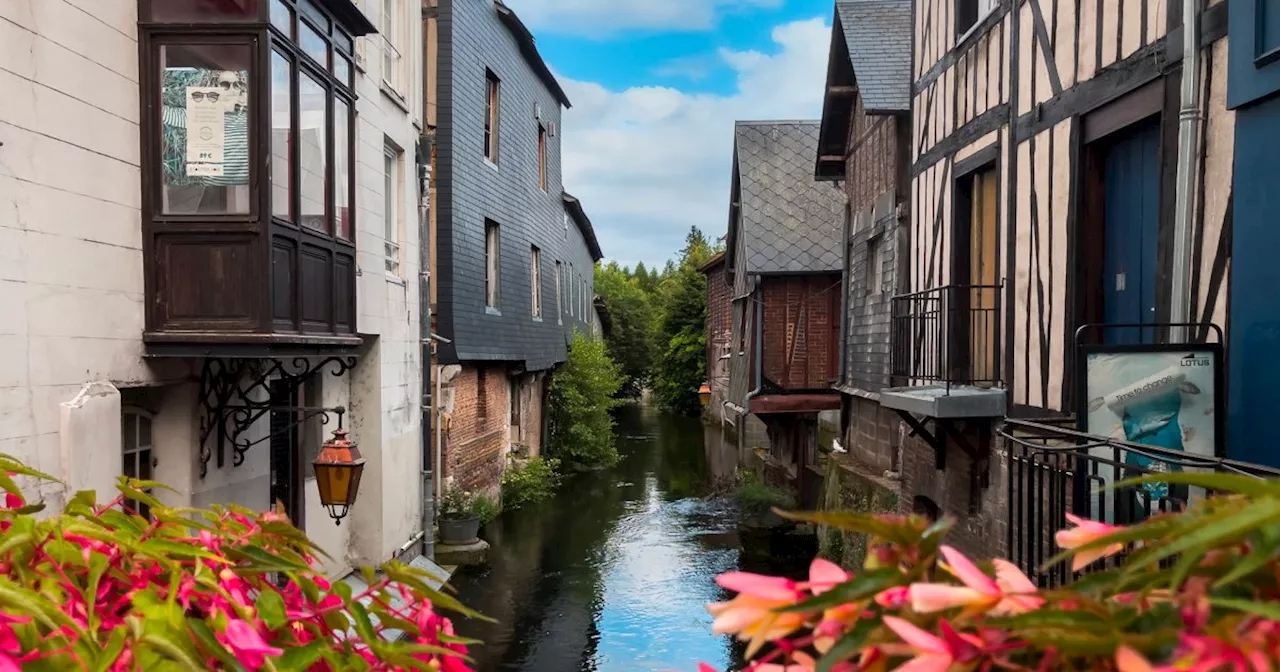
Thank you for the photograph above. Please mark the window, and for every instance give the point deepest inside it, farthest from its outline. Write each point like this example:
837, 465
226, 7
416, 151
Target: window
586, 301
968, 12
491, 116
559, 297
875, 266
535, 281
513, 396
572, 278
136, 445
392, 34
482, 393
393, 162
491, 264
542, 157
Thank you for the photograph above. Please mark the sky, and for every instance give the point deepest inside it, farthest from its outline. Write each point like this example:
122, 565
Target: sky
656, 86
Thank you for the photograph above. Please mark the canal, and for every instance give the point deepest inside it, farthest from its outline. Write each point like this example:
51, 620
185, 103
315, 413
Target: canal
614, 572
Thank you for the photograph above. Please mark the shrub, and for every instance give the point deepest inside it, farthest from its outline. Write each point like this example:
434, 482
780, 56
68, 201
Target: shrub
582, 394
486, 509
1198, 590
531, 482
98, 587
755, 497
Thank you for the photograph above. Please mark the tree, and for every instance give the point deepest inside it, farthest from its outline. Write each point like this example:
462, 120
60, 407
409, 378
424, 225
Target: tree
100, 587
632, 343
684, 325
582, 396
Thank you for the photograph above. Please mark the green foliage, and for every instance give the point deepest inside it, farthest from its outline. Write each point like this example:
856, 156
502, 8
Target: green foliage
1195, 590
486, 509
582, 394
684, 329
531, 482
458, 504
633, 341
755, 497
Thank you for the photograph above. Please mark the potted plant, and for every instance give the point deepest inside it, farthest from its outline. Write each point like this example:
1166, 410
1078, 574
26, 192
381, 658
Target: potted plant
459, 524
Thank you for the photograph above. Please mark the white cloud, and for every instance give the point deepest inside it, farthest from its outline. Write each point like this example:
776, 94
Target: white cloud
649, 162
598, 18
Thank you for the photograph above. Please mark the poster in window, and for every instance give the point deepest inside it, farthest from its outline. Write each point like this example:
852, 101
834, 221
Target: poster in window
206, 131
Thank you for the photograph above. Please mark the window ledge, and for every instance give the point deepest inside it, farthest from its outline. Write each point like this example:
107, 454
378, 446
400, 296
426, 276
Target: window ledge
537, 318
489, 162
979, 26
390, 92
490, 310
395, 279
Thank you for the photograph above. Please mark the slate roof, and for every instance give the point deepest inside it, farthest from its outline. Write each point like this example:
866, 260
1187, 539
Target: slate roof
791, 223
529, 49
878, 34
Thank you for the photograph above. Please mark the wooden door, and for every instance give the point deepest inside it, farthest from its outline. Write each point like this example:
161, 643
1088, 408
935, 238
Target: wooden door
984, 276
1132, 178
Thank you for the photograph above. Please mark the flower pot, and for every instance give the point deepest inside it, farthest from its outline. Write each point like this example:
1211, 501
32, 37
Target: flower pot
459, 531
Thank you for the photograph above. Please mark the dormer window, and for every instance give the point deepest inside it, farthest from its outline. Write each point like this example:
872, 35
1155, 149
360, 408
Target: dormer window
249, 200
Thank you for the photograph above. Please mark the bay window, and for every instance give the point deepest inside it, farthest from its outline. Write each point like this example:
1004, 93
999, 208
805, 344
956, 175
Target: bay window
249, 188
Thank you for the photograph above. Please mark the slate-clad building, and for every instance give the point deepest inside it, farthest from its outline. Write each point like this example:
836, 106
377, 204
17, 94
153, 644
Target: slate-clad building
863, 146
783, 262
514, 254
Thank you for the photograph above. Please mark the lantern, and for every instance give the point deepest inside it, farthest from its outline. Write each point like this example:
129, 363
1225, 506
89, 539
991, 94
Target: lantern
704, 394
338, 469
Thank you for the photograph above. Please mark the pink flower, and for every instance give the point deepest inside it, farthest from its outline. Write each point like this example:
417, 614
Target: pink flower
824, 575
8, 664
799, 663
1010, 593
751, 615
1128, 660
894, 598
933, 653
247, 645
1086, 532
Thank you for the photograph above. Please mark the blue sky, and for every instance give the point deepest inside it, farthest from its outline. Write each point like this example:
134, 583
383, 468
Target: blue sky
656, 87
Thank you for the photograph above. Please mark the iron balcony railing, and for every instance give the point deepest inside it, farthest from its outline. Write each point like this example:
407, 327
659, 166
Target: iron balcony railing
1054, 470
947, 335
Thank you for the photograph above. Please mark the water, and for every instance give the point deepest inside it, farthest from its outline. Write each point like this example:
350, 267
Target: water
614, 573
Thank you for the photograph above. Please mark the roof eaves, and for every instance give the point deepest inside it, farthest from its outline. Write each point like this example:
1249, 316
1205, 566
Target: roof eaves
580, 218
529, 49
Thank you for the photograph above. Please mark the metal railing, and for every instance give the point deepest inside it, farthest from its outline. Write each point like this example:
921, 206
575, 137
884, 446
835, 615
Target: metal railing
1054, 470
947, 335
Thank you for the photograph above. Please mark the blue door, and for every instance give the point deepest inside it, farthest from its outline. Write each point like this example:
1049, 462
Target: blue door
1132, 167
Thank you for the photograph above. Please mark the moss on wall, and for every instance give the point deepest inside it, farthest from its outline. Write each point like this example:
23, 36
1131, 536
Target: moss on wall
849, 486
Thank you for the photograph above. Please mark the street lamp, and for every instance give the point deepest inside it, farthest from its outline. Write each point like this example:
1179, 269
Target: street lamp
704, 394
338, 469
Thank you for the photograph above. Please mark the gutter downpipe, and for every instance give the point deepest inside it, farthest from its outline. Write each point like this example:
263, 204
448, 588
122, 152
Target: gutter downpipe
759, 356
427, 423
1188, 161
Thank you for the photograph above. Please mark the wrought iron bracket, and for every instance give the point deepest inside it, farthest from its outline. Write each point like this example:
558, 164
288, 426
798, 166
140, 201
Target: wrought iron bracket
936, 439
236, 393
979, 456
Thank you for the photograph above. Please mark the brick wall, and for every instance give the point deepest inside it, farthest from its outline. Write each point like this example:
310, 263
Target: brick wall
719, 333
477, 437
800, 331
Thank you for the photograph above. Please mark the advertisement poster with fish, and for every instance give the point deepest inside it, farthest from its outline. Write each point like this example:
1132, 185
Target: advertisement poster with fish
1157, 397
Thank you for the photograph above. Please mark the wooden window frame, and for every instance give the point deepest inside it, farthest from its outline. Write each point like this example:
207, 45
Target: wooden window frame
393, 206
283, 299
542, 157
138, 452
559, 292
492, 265
492, 116
535, 281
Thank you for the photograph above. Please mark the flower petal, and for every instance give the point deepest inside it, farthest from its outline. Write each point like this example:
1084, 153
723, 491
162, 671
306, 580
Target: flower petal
1128, 660
966, 571
928, 598
917, 638
1010, 579
824, 575
768, 587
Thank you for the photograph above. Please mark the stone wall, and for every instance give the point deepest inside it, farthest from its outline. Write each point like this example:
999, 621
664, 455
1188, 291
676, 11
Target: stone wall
851, 486
871, 434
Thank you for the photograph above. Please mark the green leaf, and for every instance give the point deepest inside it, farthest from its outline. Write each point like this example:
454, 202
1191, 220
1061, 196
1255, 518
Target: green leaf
342, 589
861, 587
438, 598
210, 645
1040, 619
364, 626
858, 522
302, 657
160, 548
1258, 558
109, 653
849, 644
271, 609
83, 502
1269, 610
175, 647
1231, 483
265, 560
1215, 530
137, 495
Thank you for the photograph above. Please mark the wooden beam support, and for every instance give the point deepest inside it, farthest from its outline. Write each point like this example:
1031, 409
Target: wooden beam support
984, 123
837, 90
830, 158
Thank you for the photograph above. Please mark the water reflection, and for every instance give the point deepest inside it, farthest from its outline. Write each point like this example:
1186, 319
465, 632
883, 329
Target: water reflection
613, 573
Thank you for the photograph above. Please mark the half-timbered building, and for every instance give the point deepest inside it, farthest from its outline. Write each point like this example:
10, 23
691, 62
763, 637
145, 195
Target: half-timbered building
1046, 197
784, 267
863, 146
